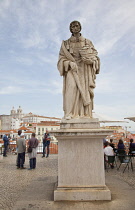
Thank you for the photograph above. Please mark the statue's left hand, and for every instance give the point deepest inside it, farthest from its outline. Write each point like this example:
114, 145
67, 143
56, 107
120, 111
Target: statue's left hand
87, 60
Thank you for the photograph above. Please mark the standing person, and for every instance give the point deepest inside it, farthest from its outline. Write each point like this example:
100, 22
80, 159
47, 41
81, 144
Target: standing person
6, 143
46, 143
21, 147
18, 137
33, 143
78, 64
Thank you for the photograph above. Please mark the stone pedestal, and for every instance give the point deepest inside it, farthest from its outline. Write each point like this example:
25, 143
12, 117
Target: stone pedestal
81, 175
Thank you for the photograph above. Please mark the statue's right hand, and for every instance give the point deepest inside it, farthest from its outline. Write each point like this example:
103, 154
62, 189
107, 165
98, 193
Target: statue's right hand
73, 66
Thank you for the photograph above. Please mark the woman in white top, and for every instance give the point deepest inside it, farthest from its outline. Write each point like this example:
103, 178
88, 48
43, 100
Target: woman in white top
108, 151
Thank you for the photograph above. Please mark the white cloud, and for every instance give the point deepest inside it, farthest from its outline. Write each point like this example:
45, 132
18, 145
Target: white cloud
57, 86
47, 58
119, 111
133, 50
116, 22
36, 86
113, 82
4, 5
32, 32
34, 40
10, 90
24, 60
104, 83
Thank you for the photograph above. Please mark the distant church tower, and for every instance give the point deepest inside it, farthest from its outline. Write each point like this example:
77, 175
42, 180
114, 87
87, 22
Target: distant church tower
13, 111
19, 112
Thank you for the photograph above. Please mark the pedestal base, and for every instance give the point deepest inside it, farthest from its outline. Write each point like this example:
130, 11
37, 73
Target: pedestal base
81, 175
82, 194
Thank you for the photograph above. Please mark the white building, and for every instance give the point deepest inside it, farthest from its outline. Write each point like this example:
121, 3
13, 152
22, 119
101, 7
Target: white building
15, 123
46, 125
32, 118
16, 117
5, 122
8, 121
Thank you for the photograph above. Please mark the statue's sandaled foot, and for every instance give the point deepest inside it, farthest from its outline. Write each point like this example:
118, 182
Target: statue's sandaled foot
68, 118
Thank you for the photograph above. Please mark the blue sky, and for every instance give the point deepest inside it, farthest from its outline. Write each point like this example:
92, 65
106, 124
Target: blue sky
31, 36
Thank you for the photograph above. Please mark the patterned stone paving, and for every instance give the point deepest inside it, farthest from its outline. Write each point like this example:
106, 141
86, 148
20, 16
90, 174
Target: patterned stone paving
14, 181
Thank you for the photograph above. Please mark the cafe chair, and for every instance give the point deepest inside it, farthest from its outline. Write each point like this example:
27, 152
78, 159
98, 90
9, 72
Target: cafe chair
110, 161
125, 160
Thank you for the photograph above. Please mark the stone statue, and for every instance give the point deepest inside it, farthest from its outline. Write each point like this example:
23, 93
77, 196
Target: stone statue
78, 64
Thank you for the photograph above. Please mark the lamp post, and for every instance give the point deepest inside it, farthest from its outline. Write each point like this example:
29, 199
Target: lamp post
125, 131
126, 127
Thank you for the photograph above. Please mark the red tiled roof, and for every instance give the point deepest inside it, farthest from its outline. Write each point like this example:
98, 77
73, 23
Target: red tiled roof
8, 131
24, 123
28, 132
23, 128
5, 131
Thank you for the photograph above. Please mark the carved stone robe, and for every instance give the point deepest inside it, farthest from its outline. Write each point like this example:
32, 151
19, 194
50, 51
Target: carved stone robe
78, 85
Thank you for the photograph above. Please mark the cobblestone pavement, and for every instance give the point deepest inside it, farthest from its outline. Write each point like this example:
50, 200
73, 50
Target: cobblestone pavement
128, 176
14, 182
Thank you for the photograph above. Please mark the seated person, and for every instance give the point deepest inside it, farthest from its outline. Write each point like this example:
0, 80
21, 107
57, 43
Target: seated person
108, 151
104, 141
112, 145
121, 148
131, 146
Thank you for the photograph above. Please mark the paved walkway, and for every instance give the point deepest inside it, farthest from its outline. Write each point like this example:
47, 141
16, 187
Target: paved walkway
33, 190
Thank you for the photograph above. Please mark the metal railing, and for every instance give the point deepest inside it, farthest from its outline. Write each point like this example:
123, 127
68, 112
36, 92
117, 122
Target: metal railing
12, 147
53, 147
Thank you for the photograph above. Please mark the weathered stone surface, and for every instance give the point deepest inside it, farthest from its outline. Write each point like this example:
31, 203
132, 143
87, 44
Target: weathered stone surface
82, 194
81, 123
81, 163
78, 64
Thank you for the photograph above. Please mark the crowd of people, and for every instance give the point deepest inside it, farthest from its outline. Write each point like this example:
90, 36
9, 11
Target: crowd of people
31, 146
111, 150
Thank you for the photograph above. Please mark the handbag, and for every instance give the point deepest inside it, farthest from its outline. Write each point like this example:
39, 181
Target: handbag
29, 150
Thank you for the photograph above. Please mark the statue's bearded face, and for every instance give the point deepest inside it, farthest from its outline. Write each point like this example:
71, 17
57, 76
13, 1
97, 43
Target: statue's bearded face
75, 27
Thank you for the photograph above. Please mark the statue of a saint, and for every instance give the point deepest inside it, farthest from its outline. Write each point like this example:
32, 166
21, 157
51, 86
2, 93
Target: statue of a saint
78, 64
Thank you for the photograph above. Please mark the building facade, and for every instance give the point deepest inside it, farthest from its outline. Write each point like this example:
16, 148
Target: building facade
32, 118
17, 117
46, 125
11, 121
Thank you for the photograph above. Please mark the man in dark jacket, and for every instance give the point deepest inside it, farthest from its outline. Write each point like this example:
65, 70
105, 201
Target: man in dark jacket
6, 143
